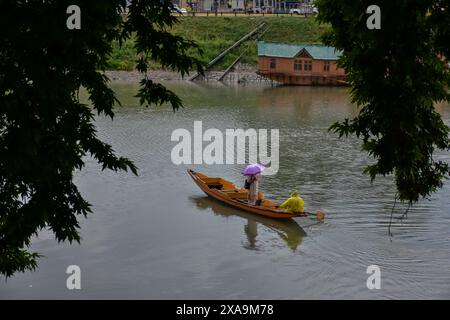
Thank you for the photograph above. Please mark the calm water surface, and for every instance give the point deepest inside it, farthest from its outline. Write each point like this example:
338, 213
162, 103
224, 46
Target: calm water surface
157, 236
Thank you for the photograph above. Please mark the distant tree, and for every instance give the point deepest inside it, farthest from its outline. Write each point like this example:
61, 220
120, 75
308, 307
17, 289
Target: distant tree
45, 131
397, 74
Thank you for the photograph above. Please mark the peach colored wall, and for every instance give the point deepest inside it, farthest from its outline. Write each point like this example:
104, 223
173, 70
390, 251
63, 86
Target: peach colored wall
286, 66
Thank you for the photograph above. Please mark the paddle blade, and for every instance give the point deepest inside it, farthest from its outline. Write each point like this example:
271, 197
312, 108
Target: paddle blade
320, 215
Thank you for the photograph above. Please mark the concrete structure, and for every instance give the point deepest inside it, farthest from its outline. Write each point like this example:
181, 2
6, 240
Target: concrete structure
238, 5
269, 5
281, 6
210, 5
181, 3
300, 64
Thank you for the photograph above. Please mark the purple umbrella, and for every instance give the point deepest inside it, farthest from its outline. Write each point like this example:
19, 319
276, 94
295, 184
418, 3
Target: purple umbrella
252, 169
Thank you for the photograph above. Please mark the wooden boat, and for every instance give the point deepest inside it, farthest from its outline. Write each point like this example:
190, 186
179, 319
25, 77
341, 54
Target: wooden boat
227, 192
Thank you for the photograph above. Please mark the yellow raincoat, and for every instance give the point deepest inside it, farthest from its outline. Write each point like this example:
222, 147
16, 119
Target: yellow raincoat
293, 204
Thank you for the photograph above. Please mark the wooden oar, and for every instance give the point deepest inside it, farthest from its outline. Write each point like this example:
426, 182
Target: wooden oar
319, 215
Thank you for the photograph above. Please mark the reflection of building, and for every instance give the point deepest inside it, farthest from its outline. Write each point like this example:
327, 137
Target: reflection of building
300, 64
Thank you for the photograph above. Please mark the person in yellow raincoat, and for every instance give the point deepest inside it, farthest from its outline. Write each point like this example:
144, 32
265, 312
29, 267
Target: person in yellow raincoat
293, 204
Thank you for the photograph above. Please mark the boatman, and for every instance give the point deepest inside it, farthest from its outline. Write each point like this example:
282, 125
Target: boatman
293, 204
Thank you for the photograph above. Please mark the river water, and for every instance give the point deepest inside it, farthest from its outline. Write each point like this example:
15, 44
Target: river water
157, 236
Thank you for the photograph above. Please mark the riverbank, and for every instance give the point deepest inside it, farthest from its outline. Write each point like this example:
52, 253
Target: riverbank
214, 34
242, 73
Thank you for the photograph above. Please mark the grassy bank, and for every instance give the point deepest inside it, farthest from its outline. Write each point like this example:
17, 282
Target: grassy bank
215, 34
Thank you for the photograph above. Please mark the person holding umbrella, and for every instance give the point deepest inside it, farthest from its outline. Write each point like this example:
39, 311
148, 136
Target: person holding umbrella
252, 173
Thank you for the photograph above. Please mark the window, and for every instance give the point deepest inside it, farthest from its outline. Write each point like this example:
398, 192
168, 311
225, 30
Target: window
326, 66
273, 63
307, 66
298, 65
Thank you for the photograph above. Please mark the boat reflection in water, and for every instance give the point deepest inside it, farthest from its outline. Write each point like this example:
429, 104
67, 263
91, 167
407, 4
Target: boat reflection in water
287, 229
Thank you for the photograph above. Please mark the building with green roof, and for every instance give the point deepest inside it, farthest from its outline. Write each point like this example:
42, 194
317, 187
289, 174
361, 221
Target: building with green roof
301, 64
317, 51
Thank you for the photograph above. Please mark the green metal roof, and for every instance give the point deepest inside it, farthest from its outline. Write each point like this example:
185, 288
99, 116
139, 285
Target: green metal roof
317, 51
